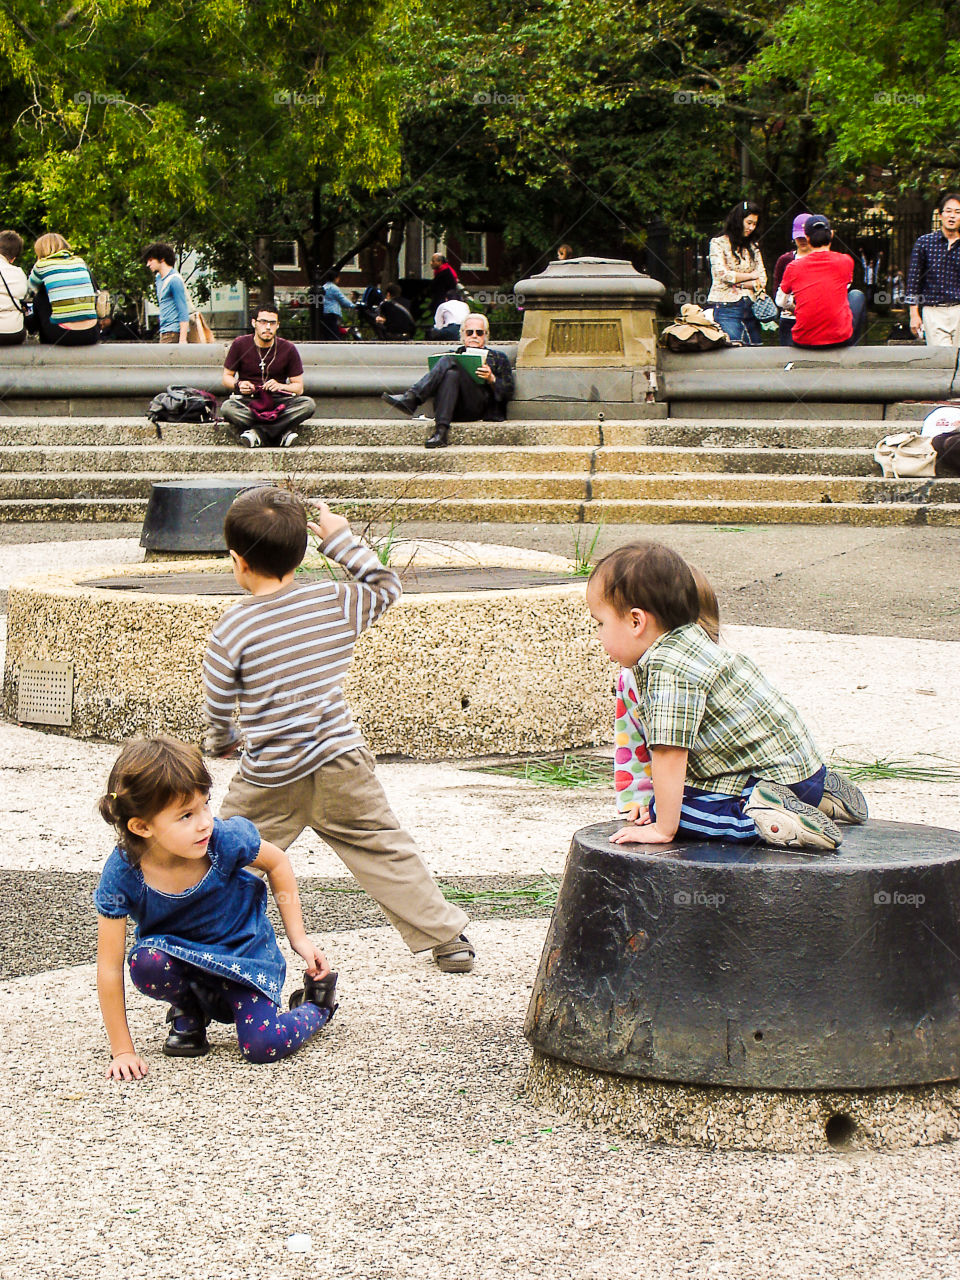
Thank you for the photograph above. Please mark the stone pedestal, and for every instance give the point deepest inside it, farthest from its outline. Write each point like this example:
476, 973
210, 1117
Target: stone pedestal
720, 964
720, 995
589, 332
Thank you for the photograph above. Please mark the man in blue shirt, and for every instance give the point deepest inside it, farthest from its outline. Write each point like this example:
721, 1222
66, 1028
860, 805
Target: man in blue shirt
933, 281
171, 293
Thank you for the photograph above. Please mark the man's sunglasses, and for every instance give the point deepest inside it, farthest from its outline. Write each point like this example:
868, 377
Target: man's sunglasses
473, 333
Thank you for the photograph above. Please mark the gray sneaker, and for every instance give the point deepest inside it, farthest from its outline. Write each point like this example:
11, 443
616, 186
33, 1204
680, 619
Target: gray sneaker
842, 800
289, 439
251, 439
787, 823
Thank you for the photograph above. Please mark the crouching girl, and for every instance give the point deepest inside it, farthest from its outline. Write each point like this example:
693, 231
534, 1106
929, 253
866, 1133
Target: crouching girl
203, 941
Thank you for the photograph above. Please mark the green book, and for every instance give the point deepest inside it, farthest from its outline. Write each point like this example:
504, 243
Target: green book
470, 361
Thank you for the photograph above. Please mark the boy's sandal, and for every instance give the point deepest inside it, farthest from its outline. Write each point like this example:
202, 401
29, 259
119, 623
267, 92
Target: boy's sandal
455, 956
185, 1044
318, 991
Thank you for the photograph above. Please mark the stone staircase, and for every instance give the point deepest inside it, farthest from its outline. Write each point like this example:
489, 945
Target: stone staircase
722, 470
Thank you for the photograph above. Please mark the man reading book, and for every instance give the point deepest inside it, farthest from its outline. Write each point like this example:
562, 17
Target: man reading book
459, 393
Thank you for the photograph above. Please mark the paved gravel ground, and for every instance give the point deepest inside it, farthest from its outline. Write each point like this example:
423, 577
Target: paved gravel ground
400, 1143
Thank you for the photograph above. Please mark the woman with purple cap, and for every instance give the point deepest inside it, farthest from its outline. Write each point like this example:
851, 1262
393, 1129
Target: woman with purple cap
739, 276
800, 250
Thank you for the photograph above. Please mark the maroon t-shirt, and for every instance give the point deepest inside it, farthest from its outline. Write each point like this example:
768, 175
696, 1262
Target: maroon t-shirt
818, 282
282, 362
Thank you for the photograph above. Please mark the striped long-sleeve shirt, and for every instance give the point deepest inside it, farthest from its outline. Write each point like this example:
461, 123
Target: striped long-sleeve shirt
69, 287
284, 657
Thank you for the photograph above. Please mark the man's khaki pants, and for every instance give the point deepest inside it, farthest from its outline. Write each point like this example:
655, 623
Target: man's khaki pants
345, 805
941, 326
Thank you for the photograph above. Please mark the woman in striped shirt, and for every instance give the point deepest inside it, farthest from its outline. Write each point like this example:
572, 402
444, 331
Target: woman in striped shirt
64, 302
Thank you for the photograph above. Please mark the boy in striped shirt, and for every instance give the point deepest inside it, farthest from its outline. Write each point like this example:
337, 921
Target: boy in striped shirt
283, 654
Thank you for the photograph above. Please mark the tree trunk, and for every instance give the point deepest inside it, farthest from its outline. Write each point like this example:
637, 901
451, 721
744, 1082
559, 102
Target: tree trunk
266, 296
394, 243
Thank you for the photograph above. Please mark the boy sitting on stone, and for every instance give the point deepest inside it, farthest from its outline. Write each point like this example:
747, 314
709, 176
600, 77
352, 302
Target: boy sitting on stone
731, 758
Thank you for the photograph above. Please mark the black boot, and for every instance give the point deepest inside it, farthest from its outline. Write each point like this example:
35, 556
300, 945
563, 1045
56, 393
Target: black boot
186, 1044
318, 991
439, 438
408, 402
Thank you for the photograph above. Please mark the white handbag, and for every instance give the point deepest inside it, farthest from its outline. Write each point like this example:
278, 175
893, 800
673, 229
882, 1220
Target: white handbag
905, 455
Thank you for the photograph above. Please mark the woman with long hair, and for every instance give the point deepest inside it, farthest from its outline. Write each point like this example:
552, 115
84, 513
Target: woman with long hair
738, 274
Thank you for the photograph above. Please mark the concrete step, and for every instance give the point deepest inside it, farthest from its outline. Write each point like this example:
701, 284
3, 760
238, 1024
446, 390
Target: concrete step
717, 432
271, 463
637, 459
440, 485
79, 433
764, 488
726, 512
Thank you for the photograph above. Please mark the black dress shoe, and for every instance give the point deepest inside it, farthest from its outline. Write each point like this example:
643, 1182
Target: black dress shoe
439, 438
406, 403
186, 1044
319, 991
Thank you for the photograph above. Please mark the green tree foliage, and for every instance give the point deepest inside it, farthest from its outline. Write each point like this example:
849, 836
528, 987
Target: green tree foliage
203, 123
879, 78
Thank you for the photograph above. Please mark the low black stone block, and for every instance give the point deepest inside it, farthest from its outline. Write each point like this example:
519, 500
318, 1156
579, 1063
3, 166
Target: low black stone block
721, 964
188, 515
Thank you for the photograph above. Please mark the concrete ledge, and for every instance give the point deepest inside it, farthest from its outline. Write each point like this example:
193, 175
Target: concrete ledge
863, 374
142, 369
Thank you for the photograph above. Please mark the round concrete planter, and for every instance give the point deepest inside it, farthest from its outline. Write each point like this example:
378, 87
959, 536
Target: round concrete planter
442, 674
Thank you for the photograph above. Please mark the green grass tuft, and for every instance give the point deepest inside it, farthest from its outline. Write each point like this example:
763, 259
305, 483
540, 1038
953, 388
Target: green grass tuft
583, 555
573, 770
920, 769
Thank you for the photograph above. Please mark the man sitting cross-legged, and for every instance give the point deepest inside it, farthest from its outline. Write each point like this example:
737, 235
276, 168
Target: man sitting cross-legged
265, 374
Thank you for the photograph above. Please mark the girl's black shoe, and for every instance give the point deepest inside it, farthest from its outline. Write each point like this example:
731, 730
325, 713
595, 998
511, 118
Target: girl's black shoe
318, 991
186, 1044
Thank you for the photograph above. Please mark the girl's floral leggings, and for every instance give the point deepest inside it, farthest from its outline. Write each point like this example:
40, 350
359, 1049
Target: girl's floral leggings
265, 1033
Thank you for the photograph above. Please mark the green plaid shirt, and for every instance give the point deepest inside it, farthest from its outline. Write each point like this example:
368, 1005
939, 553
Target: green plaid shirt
718, 705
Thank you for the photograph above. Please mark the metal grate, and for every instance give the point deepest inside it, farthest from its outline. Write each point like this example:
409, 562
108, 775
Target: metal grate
45, 693
584, 337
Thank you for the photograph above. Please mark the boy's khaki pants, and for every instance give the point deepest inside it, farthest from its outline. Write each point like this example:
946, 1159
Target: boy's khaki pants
345, 805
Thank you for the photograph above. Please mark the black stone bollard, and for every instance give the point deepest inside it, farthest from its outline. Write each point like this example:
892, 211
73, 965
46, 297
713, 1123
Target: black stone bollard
719, 964
188, 515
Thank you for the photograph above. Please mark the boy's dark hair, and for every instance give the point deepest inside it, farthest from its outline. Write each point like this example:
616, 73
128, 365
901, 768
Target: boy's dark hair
265, 307
951, 195
148, 775
11, 244
393, 291
268, 528
649, 576
162, 252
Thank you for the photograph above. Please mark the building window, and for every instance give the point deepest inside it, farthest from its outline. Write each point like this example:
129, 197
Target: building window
286, 255
473, 251
344, 238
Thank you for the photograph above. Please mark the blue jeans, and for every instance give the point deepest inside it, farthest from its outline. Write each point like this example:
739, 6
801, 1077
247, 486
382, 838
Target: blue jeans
857, 301
713, 815
738, 321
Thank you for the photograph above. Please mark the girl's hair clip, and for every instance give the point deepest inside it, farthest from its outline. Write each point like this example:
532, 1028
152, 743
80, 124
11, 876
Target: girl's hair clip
113, 795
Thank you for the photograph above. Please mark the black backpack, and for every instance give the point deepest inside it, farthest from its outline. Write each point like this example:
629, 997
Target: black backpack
183, 404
